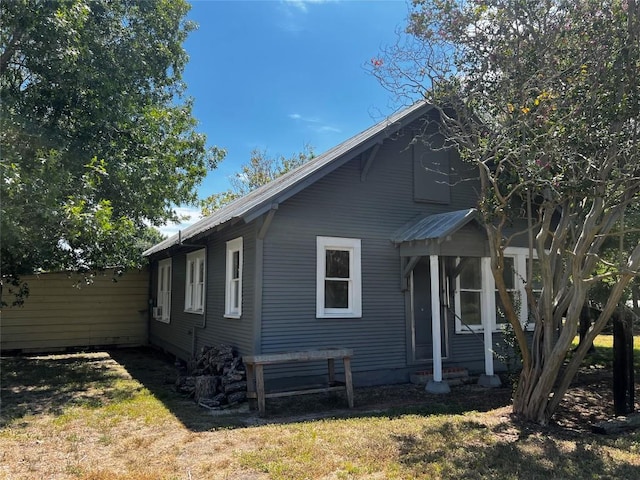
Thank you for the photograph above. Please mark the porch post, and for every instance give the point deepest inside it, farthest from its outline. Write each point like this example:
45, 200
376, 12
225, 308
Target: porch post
489, 378
436, 385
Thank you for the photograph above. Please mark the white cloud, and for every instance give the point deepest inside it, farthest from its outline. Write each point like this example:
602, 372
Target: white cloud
328, 129
303, 5
314, 123
298, 117
188, 217
294, 12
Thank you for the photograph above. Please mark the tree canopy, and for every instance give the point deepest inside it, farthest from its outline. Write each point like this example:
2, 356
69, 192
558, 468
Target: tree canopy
544, 97
98, 138
258, 171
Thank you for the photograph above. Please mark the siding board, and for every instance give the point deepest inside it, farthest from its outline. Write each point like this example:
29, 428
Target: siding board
187, 333
341, 205
57, 314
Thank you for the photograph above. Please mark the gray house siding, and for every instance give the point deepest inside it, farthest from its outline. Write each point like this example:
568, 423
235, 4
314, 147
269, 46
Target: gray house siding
187, 332
236, 332
177, 335
369, 196
342, 205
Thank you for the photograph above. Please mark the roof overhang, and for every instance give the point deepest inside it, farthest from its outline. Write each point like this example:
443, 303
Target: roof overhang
263, 199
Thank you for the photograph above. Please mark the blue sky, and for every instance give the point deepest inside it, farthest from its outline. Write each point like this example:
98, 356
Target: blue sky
276, 75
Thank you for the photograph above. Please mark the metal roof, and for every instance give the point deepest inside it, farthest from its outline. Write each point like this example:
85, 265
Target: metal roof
435, 227
262, 199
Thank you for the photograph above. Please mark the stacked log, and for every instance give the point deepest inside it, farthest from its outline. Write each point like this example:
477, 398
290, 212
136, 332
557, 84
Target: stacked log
215, 378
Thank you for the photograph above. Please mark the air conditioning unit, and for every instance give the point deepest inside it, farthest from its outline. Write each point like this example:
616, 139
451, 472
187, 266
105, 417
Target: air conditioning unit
157, 312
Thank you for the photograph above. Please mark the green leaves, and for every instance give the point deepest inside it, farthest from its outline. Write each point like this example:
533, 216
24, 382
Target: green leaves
98, 141
260, 170
544, 97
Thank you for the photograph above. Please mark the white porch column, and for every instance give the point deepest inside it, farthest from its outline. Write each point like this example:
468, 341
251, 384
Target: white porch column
489, 379
488, 313
436, 385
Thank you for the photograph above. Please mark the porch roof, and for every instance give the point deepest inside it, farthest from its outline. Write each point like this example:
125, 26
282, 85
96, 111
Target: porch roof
435, 227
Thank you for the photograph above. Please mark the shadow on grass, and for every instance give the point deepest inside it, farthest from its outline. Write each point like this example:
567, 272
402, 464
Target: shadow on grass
32, 385
157, 373
602, 356
469, 449
50, 384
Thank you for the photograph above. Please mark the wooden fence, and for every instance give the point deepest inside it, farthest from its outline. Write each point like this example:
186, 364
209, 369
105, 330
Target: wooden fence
63, 311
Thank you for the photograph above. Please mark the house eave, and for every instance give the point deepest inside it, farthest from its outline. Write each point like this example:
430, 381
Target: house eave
261, 200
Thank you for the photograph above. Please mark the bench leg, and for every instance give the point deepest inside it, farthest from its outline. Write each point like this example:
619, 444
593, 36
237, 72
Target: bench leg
251, 386
332, 371
348, 381
260, 389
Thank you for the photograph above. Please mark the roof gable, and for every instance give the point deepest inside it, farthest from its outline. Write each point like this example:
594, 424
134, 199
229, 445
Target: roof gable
261, 200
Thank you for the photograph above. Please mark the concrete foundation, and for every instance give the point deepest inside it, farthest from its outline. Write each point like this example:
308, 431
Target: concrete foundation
489, 381
437, 387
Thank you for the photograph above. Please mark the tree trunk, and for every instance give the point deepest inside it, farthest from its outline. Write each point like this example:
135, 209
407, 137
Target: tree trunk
531, 400
586, 319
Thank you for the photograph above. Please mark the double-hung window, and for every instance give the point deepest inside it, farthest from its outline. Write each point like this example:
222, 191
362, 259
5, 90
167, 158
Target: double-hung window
509, 274
164, 291
233, 284
536, 289
195, 283
338, 278
469, 297
477, 298
520, 257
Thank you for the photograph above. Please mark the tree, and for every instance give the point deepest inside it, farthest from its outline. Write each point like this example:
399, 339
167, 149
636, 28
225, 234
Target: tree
98, 139
544, 97
260, 170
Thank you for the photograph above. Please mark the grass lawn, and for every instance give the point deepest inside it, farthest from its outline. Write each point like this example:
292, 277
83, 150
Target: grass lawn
114, 415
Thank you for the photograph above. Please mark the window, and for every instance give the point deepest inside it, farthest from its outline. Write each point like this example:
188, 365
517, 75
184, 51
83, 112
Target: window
476, 296
536, 288
233, 297
519, 260
163, 302
338, 278
509, 275
195, 291
469, 295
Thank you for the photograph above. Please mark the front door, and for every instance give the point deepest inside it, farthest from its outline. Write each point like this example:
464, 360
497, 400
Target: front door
422, 339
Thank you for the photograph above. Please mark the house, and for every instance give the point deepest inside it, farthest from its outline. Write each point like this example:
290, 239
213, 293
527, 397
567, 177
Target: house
374, 245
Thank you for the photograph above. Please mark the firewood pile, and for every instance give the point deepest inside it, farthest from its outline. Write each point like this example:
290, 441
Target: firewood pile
216, 378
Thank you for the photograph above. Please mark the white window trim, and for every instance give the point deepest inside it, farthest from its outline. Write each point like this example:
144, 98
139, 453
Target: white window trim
194, 294
484, 301
163, 298
521, 255
516, 287
233, 284
488, 307
354, 247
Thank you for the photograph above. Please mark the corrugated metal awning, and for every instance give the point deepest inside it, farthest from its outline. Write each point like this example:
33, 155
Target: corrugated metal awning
435, 227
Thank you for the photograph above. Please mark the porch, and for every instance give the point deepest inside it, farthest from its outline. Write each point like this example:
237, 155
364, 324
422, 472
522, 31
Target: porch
450, 292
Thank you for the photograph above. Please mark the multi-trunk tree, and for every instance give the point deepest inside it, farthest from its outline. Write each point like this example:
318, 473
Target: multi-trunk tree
98, 141
544, 97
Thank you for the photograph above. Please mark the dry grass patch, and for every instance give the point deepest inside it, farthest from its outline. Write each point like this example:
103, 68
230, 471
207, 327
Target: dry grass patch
115, 416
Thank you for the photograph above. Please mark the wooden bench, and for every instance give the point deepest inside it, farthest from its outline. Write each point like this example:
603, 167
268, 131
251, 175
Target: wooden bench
255, 373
